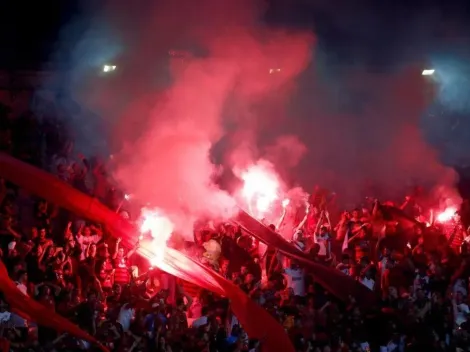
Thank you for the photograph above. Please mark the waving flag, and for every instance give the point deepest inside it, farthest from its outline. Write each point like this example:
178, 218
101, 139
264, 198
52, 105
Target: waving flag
339, 284
257, 322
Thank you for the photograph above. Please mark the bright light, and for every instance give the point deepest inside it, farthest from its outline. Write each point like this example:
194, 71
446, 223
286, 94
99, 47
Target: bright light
109, 68
274, 70
260, 188
127, 196
285, 203
427, 72
160, 227
446, 215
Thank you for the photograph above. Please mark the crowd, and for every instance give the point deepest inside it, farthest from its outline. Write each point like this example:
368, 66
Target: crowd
75, 268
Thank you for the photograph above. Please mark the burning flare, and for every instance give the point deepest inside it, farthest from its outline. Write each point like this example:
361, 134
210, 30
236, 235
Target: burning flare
261, 188
446, 215
160, 227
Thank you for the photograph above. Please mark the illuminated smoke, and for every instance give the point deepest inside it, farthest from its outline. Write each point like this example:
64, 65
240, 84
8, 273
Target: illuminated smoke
160, 227
260, 189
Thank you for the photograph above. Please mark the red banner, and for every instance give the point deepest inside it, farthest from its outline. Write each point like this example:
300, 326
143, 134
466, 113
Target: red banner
339, 284
257, 322
30, 309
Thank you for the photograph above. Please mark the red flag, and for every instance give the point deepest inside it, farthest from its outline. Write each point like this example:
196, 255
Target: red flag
257, 322
339, 284
28, 308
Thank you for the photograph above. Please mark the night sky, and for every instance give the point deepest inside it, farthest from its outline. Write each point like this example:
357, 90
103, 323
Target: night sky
377, 33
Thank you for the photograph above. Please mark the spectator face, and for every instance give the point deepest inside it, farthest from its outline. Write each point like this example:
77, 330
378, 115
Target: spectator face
86, 231
243, 270
34, 233
249, 278
92, 250
70, 243
42, 234
120, 252
42, 207
23, 278
117, 290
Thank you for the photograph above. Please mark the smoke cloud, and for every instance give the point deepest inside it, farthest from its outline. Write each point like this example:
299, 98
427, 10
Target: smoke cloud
185, 72
249, 91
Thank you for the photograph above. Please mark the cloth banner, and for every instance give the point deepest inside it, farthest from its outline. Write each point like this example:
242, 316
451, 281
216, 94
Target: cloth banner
29, 309
339, 284
257, 322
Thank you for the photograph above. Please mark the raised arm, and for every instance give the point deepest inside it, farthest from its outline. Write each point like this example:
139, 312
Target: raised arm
304, 220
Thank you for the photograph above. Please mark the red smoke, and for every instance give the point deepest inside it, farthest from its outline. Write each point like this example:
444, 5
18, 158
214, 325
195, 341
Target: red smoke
166, 130
340, 127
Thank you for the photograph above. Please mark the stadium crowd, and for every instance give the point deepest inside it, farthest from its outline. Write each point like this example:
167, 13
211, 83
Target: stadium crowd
78, 270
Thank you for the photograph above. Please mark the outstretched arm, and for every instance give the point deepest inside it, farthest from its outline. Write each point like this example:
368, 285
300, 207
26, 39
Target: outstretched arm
304, 220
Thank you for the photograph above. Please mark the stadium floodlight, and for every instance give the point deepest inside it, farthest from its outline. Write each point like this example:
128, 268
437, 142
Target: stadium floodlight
109, 68
427, 72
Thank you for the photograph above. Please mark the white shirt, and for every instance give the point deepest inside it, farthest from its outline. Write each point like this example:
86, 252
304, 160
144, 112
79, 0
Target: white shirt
199, 322
461, 313
369, 283
344, 268
22, 288
4, 317
125, 317
323, 240
296, 281
85, 241
16, 320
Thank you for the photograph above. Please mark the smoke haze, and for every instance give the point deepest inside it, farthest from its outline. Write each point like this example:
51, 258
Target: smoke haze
248, 91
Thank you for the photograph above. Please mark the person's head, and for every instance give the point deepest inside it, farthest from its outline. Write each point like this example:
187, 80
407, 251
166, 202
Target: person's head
49, 252
12, 252
298, 236
392, 292
42, 233
418, 230
458, 297
92, 251
355, 213
22, 276
420, 293
34, 232
42, 206
243, 270
225, 264
45, 291
272, 227
120, 253
70, 243
117, 289
345, 259
294, 264
180, 304
91, 296
86, 231
249, 278
386, 252
323, 230
3, 306
103, 251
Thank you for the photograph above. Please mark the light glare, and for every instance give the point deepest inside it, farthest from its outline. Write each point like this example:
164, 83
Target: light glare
427, 72
109, 68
